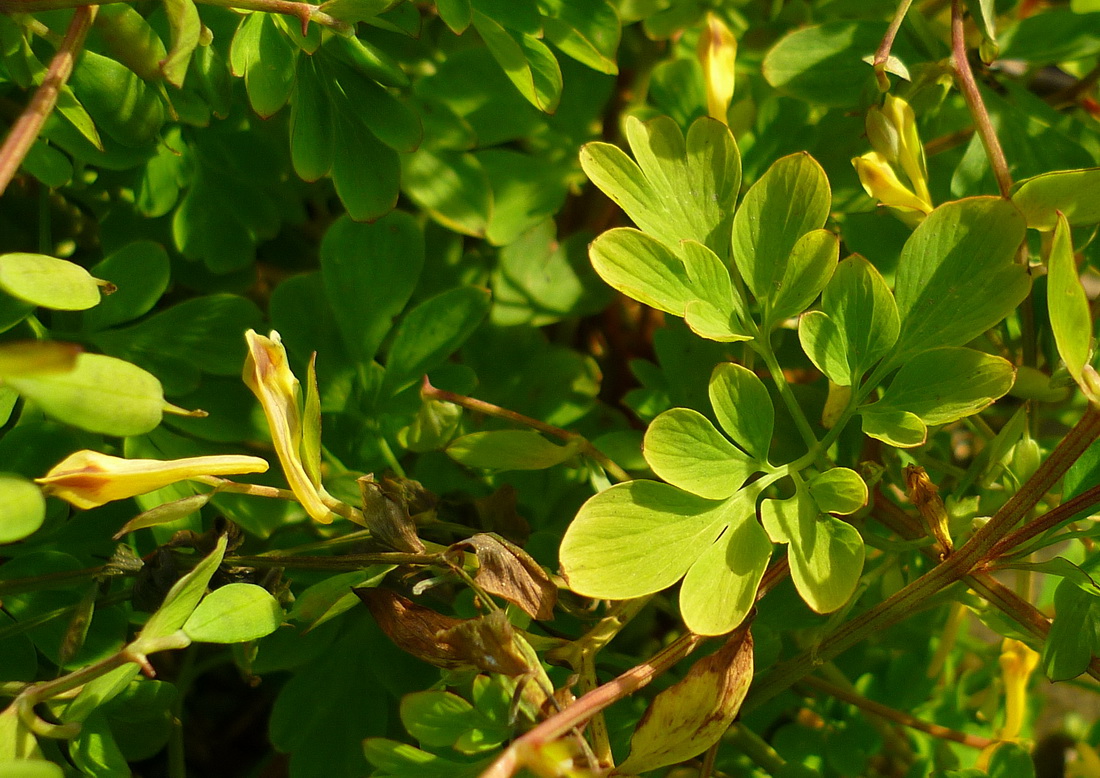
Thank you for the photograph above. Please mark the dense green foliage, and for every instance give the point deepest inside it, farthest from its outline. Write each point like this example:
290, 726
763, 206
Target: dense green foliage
398, 388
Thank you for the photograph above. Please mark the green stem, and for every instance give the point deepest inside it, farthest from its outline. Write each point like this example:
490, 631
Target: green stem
755, 748
763, 348
489, 409
882, 54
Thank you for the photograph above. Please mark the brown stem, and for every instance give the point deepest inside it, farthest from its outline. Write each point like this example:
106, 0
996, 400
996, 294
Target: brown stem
511, 760
489, 409
883, 52
1048, 520
26, 128
900, 717
955, 567
964, 77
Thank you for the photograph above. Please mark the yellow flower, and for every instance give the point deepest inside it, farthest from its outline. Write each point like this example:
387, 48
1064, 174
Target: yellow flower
88, 479
267, 373
881, 182
717, 51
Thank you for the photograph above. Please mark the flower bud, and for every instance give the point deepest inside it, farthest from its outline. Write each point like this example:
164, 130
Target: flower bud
717, 51
88, 479
267, 373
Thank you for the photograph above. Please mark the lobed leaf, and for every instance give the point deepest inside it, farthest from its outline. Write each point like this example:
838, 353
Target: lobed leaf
956, 277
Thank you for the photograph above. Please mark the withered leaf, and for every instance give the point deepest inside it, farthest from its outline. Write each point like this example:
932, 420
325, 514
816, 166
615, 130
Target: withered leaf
413, 628
486, 643
388, 507
690, 716
508, 571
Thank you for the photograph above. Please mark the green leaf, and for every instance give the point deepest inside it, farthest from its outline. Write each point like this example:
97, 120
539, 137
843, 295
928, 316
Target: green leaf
637, 538
51, 283
1076, 193
526, 61
526, 191
719, 589
956, 277
824, 64
683, 448
355, 10
857, 326
94, 750
366, 172
838, 490
1074, 637
364, 100
897, 428
743, 408
22, 508
261, 53
332, 596
1057, 35
124, 107
141, 272
586, 30
29, 768
436, 718
826, 554
234, 613
201, 334
183, 17
947, 384
1070, 317
508, 450
456, 14
400, 759
810, 266
312, 137
791, 199
678, 190
101, 394
431, 332
369, 272
643, 268
451, 186
183, 597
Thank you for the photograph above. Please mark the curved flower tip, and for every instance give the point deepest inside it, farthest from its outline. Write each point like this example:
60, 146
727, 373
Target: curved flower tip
88, 479
267, 373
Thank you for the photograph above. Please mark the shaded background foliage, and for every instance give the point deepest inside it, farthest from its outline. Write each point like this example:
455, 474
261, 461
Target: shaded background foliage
396, 187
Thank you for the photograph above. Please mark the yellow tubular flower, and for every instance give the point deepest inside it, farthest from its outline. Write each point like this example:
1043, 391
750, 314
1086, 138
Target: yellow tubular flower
881, 182
88, 479
717, 51
1017, 663
267, 373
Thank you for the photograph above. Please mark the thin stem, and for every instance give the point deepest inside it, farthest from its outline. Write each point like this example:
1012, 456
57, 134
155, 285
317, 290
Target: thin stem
883, 52
511, 760
1047, 521
343, 562
26, 128
304, 12
964, 77
763, 348
897, 716
957, 566
489, 409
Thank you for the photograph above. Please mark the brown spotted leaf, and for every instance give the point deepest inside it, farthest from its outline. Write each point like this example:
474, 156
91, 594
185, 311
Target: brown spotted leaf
413, 628
506, 570
689, 717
